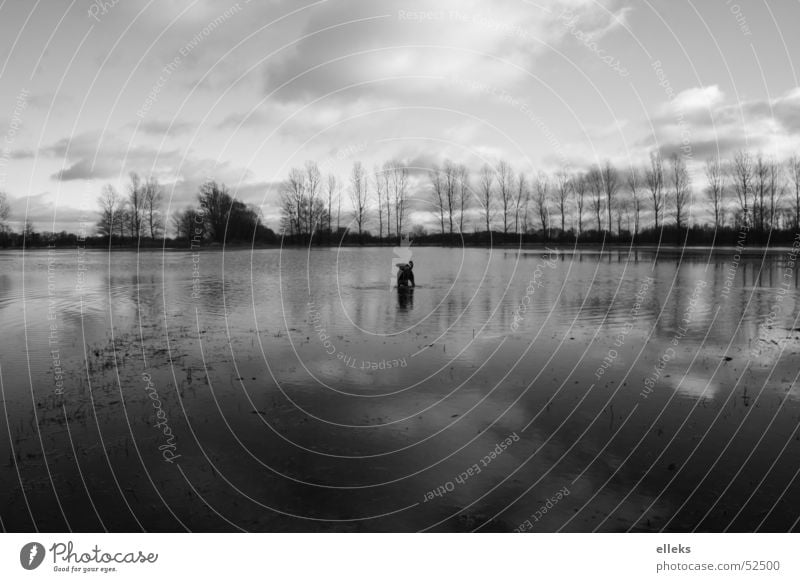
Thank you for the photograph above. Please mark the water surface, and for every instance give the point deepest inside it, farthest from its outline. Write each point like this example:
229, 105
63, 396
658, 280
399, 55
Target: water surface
278, 390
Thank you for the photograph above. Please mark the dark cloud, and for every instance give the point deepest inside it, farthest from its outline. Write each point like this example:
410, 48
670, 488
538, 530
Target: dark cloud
245, 119
328, 37
43, 212
195, 172
92, 155
161, 128
22, 154
82, 170
723, 147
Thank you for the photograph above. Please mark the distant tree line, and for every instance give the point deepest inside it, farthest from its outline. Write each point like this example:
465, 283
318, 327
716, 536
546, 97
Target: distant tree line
28, 236
605, 202
136, 218
650, 203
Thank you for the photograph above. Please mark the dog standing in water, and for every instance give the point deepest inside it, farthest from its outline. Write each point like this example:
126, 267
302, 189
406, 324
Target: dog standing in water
405, 275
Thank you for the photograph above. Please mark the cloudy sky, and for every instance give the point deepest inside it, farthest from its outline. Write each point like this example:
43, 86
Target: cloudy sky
242, 91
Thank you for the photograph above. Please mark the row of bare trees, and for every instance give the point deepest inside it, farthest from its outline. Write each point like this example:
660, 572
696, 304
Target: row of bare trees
762, 187
218, 216
750, 190
391, 186
452, 194
303, 209
309, 202
515, 203
137, 214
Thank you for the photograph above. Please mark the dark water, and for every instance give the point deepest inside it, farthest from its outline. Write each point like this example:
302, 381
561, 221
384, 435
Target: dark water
295, 390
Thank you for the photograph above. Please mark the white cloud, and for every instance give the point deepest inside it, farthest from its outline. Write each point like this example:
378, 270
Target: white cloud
699, 98
715, 126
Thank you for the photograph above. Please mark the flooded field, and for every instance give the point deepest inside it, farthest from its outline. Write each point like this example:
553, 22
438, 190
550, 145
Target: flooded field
296, 390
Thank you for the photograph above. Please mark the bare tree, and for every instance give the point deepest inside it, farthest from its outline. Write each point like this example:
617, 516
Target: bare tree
110, 202
339, 211
504, 189
313, 187
776, 189
633, 182
293, 202
123, 221
136, 204
359, 195
486, 179
451, 190
438, 191
610, 186
563, 189
715, 190
622, 210
742, 181
580, 186
380, 193
386, 176
463, 195
400, 207
188, 224
331, 193
760, 191
681, 189
595, 182
526, 203
152, 207
215, 200
520, 198
398, 183
449, 171
29, 234
543, 202
654, 179
303, 209
793, 166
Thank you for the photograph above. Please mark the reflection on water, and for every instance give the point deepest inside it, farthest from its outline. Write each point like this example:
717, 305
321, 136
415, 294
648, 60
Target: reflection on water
405, 299
304, 392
